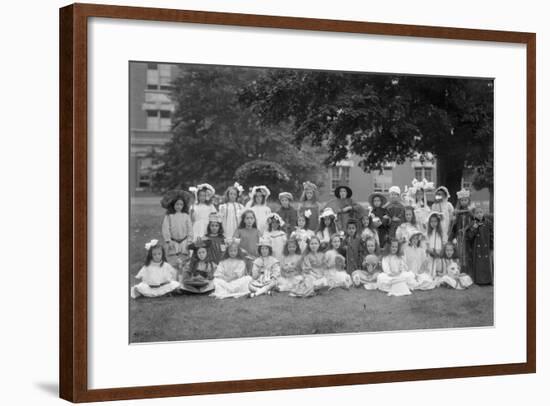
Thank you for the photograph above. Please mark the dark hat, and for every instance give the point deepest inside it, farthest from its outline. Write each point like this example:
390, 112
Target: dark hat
337, 190
383, 198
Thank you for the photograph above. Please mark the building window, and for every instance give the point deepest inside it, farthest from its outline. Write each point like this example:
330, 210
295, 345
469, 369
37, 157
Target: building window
145, 173
159, 76
159, 120
422, 172
383, 180
339, 175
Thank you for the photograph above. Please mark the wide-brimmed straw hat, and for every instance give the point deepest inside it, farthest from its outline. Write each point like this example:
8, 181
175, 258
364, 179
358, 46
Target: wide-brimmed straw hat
173, 196
383, 198
340, 187
327, 212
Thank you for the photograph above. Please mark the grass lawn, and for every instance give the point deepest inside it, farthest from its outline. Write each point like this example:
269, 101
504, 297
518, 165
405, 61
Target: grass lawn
191, 317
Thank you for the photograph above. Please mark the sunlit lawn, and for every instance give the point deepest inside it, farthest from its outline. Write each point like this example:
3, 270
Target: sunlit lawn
191, 317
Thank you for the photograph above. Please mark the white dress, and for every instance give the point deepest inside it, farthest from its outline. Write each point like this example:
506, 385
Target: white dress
416, 259
404, 232
200, 215
447, 210
177, 230
434, 264
156, 280
302, 235
231, 217
336, 277
278, 241
369, 233
395, 278
262, 212
230, 279
290, 273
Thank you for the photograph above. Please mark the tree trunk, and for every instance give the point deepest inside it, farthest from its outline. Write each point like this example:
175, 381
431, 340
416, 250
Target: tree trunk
449, 173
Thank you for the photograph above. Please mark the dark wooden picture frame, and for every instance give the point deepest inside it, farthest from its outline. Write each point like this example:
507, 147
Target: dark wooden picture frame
73, 200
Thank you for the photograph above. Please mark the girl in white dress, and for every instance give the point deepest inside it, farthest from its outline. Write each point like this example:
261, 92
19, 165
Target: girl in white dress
230, 277
202, 209
336, 274
291, 273
371, 267
450, 275
395, 278
443, 206
258, 204
276, 234
421, 207
370, 224
416, 258
436, 238
302, 234
265, 270
408, 227
230, 211
158, 277
327, 227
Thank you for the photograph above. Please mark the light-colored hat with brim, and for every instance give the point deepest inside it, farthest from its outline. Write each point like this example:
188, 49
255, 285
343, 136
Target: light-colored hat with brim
214, 217
206, 186
265, 242
309, 186
340, 187
415, 234
262, 189
395, 189
275, 216
444, 190
287, 195
327, 212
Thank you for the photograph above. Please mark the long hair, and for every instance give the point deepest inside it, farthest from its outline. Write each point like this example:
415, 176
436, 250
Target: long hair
253, 203
172, 210
226, 194
411, 209
438, 228
260, 249
308, 250
301, 215
270, 224
313, 198
455, 251
242, 224
376, 247
209, 231
194, 261
332, 226
207, 201
293, 241
149, 257
387, 251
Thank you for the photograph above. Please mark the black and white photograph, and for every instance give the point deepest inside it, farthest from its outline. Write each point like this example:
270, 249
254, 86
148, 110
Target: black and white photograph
269, 201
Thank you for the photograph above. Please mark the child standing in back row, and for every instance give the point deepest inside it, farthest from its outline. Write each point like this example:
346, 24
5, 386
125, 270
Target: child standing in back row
258, 204
177, 229
231, 210
202, 209
287, 212
276, 234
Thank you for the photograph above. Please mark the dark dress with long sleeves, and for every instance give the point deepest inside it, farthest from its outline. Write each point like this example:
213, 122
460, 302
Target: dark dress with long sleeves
354, 250
342, 217
481, 244
395, 210
215, 248
383, 230
463, 219
289, 216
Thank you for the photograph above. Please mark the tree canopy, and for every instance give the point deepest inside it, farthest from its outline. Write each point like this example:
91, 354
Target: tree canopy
214, 134
381, 118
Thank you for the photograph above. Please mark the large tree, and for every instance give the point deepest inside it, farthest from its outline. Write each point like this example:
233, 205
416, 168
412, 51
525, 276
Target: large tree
214, 134
382, 118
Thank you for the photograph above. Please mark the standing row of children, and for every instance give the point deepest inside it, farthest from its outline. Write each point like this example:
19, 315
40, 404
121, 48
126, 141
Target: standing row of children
246, 249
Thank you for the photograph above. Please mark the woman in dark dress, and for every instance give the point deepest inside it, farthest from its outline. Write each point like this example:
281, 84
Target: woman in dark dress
344, 207
480, 237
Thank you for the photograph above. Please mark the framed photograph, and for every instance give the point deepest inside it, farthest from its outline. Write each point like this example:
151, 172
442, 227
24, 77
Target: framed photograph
255, 202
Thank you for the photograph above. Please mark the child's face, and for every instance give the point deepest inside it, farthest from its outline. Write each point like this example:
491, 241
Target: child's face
394, 197
478, 213
264, 251
249, 219
232, 195
419, 195
414, 240
309, 194
301, 222
201, 196
285, 202
327, 220
157, 254
449, 251
215, 200
214, 227
365, 221
275, 225
351, 229
343, 193
371, 246
408, 216
314, 245
464, 201
233, 250
258, 198
439, 196
394, 247
178, 206
201, 253
376, 201
335, 243
434, 221
292, 247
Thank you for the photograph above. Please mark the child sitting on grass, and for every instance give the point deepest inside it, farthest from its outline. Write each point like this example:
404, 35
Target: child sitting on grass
158, 277
368, 274
230, 277
395, 278
265, 270
451, 275
291, 273
336, 274
199, 271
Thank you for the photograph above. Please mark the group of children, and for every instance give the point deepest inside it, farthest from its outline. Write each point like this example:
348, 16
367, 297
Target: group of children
243, 248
